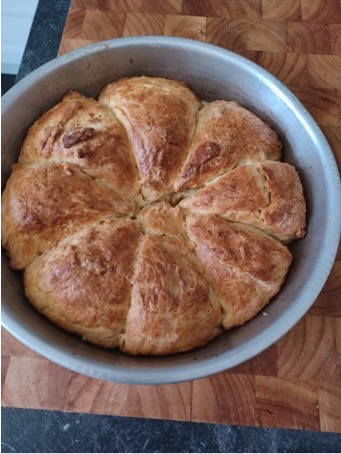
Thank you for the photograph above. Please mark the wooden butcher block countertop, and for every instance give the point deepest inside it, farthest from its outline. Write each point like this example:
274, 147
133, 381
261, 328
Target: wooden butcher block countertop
297, 382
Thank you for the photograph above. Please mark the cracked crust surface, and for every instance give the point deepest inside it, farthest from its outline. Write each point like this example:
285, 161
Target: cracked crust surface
81, 131
44, 202
83, 284
246, 267
266, 195
159, 116
226, 135
167, 279
171, 308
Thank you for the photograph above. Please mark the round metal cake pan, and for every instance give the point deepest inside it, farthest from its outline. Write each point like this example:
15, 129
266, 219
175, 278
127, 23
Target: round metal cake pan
213, 73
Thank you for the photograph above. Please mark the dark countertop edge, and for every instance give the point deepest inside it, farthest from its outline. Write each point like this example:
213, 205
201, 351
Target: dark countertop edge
25, 430
53, 431
45, 35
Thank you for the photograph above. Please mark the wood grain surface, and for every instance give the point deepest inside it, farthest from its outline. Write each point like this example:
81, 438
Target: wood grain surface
297, 382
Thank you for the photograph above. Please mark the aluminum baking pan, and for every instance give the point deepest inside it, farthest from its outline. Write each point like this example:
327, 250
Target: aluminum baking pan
213, 73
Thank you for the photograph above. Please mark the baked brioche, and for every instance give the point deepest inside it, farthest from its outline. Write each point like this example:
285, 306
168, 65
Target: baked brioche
172, 308
246, 267
83, 284
226, 135
148, 222
45, 202
267, 195
159, 116
81, 131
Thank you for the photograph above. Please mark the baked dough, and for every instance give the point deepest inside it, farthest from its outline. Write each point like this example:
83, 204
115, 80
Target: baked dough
159, 116
267, 195
172, 306
246, 267
81, 131
83, 284
147, 221
162, 219
226, 135
45, 202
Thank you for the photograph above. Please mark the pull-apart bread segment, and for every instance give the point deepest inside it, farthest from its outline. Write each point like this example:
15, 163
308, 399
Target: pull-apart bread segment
160, 117
81, 131
172, 309
267, 195
226, 135
84, 283
246, 267
45, 202
162, 219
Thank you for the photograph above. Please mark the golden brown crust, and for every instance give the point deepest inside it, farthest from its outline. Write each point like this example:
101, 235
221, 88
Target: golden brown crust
43, 203
226, 135
162, 219
171, 308
235, 194
246, 267
286, 212
166, 281
159, 116
266, 195
83, 283
81, 131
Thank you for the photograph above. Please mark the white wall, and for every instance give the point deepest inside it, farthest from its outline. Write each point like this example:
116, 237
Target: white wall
16, 21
